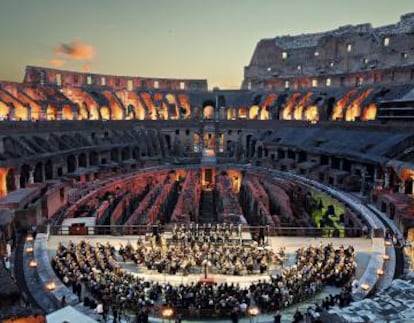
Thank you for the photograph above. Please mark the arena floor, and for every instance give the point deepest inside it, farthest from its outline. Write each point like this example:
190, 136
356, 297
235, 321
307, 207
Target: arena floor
362, 249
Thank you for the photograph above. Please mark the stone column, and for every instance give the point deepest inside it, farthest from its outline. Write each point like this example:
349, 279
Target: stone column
341, 164
401, 187
363, 179
17, 181
387, 179
378, 182
412, 184
29, 112
31, 176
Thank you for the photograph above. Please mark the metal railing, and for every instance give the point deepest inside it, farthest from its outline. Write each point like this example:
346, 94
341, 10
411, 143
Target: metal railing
267, 231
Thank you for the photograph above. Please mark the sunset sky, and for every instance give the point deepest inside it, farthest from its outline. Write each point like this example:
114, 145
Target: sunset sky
211, 39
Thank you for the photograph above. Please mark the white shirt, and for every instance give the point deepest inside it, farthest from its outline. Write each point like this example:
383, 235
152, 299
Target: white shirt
99, 308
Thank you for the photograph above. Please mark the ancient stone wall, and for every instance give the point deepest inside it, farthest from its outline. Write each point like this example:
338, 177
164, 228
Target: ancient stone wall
346, 56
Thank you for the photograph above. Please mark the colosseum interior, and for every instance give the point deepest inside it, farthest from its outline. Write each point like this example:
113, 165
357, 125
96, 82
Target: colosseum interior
316, 147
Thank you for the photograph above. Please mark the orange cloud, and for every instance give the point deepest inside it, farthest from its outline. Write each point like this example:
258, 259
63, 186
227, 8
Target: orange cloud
57, 62
76, 50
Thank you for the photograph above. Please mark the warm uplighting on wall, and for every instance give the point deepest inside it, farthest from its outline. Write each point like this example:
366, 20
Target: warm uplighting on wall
29, 238
32, 263
388, 243
370, 112
365, 286
29, 250
380, 272
386, 257
50, 286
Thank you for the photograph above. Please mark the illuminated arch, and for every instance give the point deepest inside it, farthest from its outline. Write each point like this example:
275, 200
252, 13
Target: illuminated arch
298, 112
254, 112
83, 112
242, 113
173, 110
130, 113
162, 111
170, 98
35, 112
140, 112
264, 114
94, 113
208, 112
105, 113
146, 98
352, 112
4, 111
116, 112
231, 114
51, 112
185, 108
312, 113
370, 112
21, 112
3, 182
67, 113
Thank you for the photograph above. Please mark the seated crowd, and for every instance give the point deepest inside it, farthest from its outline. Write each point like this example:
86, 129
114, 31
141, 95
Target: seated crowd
226, 259
96, 268
214, 233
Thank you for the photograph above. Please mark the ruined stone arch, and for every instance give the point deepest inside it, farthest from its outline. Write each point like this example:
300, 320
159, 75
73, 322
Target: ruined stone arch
125, 153
51, 112
168, 141
260, 151
136, 153
173, 111
71, 163
254, 112
67, 112
105, 113
130, 113
242, 113
265, 114
35, 112
38, 173
93, 158
10, 180
250, 145
82, 160
330, 105
208, 110
94, 113
141, 112
24, 175
21, 112
83, 112
115, 154
4, 111
48, 169
116, 112
231, 114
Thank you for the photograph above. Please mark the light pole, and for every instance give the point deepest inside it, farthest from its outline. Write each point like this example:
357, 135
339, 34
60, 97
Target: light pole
252, 312
167, 313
